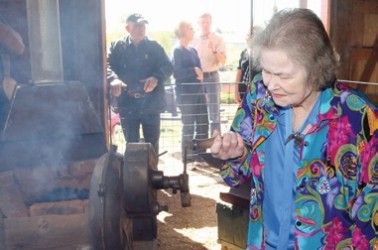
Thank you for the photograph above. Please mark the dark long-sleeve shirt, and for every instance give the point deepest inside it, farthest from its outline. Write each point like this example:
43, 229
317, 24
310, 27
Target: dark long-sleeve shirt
131, 64
184, 61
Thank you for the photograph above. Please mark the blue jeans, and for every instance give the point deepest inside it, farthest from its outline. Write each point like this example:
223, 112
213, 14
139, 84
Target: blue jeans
212, 89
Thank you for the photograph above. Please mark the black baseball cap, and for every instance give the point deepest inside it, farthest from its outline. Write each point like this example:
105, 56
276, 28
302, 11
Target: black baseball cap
136, 18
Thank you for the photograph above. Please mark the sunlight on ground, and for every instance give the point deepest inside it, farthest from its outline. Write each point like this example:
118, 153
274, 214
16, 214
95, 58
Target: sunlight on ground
197, 223
201, 236
163, 215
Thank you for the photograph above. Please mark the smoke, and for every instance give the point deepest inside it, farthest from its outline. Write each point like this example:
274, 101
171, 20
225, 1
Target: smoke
51, 124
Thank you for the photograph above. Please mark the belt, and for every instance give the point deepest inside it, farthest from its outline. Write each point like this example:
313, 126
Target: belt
210, 73
136, 95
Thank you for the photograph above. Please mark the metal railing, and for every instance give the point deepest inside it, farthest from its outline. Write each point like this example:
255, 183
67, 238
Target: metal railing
171, 120
172, 131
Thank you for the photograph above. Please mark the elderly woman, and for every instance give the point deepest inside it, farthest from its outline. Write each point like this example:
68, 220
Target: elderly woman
190, 91
306, 143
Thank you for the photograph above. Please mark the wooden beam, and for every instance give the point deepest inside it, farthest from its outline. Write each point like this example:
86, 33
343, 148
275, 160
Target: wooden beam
370, 65
2, 231
233, 199
341, 11
360, 54
366, 7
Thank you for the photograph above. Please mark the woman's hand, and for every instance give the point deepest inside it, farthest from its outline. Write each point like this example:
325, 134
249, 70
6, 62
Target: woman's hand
230, 146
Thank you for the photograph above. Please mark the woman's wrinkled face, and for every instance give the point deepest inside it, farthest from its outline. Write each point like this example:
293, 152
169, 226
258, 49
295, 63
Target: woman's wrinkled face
286, 80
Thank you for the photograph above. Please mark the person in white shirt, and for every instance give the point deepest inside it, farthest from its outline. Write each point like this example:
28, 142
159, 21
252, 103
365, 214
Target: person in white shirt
211, 49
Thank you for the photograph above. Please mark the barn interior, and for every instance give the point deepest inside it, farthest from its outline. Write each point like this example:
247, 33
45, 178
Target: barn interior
56, 130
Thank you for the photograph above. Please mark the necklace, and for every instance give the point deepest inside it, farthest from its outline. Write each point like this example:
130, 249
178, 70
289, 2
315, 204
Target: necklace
298, 120
298, 138
296, 135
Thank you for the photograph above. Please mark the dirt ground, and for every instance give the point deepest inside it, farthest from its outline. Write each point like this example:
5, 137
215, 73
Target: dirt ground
194, 227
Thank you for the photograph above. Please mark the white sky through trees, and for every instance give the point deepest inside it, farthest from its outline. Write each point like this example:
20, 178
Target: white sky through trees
232, 17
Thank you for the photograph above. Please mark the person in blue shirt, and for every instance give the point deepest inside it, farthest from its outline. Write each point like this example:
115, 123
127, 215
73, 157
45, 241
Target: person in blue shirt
190, 92
137, 69
305, 142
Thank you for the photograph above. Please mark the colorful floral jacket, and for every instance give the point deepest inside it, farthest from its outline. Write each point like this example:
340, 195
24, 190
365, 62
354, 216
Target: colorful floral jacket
336, 201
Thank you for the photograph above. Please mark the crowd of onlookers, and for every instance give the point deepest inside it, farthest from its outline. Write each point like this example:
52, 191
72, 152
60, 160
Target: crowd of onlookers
138, 68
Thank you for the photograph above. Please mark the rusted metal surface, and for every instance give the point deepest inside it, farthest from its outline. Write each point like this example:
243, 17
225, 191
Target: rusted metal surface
110, 228
141, 179
123, 201
203, 144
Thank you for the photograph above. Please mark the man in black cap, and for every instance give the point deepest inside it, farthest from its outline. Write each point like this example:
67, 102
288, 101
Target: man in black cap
137, 70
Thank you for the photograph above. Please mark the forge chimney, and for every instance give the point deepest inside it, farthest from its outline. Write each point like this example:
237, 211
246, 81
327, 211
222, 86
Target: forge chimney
45, 41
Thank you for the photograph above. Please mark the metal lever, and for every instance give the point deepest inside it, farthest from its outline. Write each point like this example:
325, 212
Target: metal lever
202, 144
180, 182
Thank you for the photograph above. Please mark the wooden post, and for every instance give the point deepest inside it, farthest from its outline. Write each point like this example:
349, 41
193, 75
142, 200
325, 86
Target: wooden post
2, 232
370, 65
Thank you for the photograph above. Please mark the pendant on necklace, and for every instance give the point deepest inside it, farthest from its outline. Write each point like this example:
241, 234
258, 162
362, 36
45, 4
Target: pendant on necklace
298, 139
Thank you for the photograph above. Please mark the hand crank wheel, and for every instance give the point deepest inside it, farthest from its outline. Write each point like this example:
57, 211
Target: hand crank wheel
140, 197
110, 228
